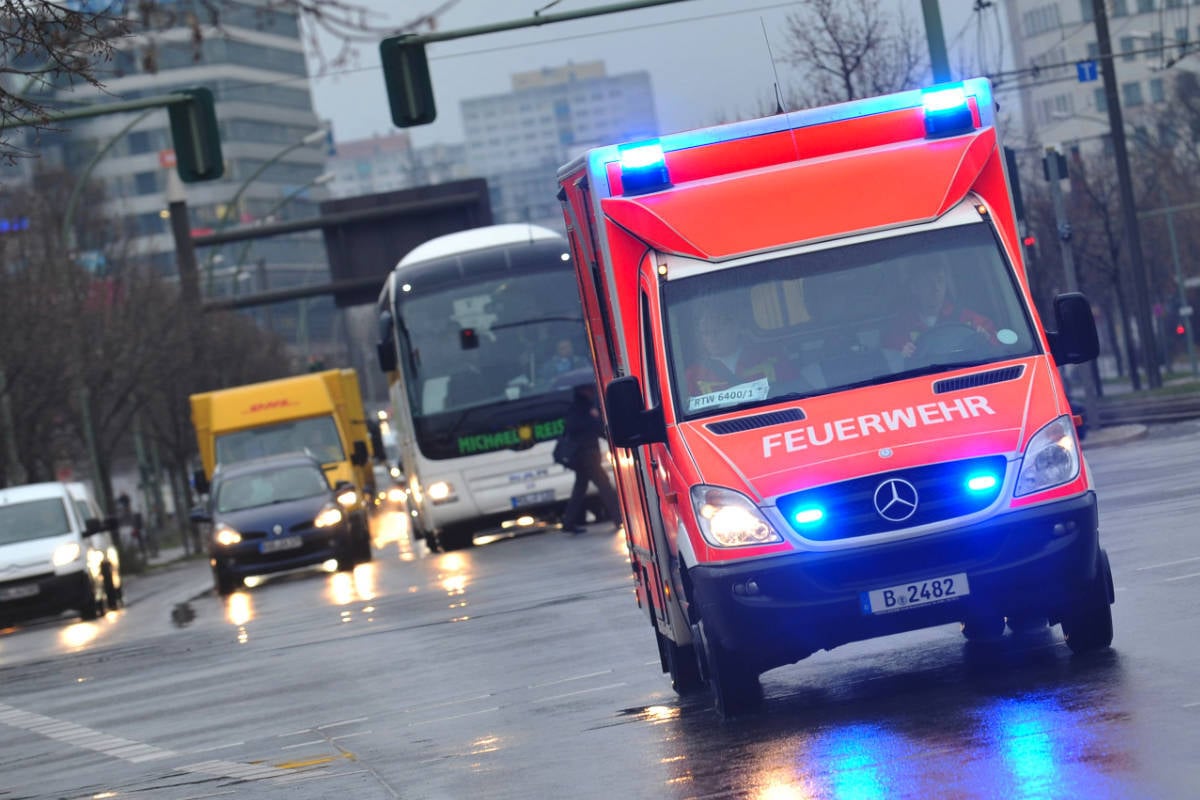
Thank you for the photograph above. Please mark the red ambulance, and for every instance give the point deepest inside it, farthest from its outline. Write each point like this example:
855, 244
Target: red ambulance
835, 411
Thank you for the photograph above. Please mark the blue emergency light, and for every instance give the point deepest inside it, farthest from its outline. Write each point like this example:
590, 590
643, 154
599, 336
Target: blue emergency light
643, 167
809, 516
981, 483
947, 112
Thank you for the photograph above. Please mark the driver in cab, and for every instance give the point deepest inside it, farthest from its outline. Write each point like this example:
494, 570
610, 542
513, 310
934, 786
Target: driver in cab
726, 358
932, 305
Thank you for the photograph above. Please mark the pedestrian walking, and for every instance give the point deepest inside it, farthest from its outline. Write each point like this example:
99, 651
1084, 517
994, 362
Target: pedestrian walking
582, 431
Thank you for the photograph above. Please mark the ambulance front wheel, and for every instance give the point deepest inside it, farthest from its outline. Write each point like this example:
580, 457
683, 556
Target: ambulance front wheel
1089, 626
734, 685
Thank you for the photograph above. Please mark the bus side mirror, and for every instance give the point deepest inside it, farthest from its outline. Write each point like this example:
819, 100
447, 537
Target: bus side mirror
630, 423
358, 457
1076, 340
385, 349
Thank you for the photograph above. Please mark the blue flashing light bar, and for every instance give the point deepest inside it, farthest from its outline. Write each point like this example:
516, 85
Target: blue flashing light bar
981, 483
947, 112
643, 167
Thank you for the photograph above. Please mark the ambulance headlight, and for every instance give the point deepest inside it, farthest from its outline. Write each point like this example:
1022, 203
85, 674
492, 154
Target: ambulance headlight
729, 519
1051, 459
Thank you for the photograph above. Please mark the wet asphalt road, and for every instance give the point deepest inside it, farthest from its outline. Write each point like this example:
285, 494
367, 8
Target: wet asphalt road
523, 669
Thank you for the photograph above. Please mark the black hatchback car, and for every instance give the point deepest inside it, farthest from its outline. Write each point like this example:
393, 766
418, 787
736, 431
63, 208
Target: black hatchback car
279, 513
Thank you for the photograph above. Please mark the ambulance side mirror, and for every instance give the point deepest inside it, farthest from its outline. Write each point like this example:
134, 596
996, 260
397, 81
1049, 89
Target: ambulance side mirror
630, 423
1076, 340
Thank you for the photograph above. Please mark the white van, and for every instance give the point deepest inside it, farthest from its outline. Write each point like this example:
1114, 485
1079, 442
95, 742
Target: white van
56, 554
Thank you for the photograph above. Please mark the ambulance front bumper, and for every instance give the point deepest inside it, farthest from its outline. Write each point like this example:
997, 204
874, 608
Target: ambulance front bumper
777, 610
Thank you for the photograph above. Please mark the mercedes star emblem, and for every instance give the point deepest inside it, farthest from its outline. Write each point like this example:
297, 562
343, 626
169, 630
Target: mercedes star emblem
896, 499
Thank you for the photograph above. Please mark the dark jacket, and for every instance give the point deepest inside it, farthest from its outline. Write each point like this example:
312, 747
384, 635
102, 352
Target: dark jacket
581, 426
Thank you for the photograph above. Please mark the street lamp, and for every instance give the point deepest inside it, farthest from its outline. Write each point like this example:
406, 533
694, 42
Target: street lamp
320, 180
311, 139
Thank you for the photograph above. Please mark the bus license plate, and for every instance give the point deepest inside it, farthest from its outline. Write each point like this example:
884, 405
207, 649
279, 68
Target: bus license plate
275, 545
917, 593
546, 496
17, 592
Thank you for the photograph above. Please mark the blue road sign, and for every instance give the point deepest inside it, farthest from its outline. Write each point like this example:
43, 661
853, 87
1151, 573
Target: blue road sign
1087, 70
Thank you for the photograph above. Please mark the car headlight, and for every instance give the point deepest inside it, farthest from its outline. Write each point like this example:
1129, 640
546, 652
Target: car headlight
439, 491
729, 519
328, 517
348, 498
1051, 459
226, 536
396, 495
65, 553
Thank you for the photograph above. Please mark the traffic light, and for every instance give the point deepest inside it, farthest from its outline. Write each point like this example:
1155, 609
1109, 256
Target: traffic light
1030, 243
406, 75
196, 138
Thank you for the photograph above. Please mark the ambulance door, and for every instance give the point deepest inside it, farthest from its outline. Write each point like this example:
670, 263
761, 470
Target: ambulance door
656, 470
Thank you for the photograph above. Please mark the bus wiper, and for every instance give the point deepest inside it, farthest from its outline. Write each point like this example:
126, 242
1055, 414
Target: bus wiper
522, 322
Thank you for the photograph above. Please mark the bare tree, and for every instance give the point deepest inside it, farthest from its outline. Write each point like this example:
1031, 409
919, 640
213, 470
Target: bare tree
848, 49
48, 46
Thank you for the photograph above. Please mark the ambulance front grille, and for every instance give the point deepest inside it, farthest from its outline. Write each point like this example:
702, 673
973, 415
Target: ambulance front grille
757, 421
932, 493
979, 379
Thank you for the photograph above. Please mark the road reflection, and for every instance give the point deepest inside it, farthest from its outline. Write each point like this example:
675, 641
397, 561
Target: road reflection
239, 610
1054, 727
454, 575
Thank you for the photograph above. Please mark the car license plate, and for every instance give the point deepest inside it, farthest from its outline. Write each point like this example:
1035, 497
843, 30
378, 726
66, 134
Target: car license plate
545, 496
275, 545
917, 593
17, 592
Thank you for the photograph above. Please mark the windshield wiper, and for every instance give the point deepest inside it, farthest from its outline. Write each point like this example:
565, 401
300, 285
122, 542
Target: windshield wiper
931, 369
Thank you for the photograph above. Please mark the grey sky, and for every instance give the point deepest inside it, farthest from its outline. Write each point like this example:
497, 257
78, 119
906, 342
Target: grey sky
708, 59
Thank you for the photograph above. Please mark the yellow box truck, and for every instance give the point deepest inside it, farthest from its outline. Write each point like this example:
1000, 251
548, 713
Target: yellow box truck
318, 412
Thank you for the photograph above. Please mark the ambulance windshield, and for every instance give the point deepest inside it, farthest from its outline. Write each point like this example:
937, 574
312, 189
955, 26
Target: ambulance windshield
838, 317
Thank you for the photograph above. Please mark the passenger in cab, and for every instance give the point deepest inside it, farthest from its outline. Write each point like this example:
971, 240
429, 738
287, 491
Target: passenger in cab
563, 361
933, 306
726, 357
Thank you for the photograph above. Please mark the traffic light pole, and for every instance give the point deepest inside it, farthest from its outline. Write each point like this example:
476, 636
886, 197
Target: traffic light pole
1141, 288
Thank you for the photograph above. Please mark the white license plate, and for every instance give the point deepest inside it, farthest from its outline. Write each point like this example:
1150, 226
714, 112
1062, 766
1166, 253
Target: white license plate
917, 593
275, 545
17, 592
546, 496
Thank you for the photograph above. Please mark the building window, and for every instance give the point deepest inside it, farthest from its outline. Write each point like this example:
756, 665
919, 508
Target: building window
1093, 50
1128, 45
1145, 5
1086, 10
1132, 93
1157, 92
1120, 8
1101, 101
145, 183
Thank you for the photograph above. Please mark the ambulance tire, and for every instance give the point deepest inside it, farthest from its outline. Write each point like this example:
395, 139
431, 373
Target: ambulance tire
1088, 626
735, 688
683, 664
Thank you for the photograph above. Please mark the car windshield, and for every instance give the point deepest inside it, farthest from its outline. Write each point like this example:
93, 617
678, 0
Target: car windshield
33, 519
832, 318
270, 486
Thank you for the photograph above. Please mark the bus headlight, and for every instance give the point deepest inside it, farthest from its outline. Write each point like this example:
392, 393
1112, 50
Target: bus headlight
440, 492
729, 519
1051, 459
328, 518
65, 553
226, 536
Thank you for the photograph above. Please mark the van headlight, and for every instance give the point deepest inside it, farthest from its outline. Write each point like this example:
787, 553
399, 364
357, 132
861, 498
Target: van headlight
729, 519
65, 553
1051, 459
328, 518
226, 536
348, 498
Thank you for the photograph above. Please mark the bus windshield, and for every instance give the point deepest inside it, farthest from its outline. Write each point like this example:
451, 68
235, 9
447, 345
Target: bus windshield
495, 346
317, 435
838, 317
